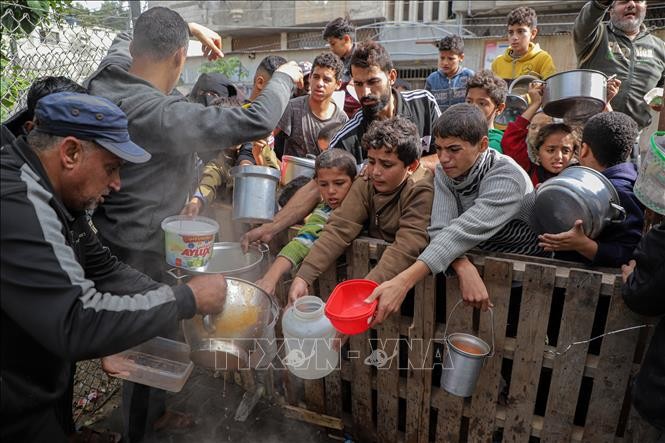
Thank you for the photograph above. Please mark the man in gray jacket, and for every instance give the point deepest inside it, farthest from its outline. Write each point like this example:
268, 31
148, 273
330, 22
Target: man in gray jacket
623, 47
138, 75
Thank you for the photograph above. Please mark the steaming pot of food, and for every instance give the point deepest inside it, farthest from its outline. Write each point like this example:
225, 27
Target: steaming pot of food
242, 335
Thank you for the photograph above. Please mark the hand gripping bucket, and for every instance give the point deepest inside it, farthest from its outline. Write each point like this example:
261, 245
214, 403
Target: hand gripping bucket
463, 359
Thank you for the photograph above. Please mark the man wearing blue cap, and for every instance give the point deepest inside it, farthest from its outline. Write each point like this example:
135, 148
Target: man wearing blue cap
64, 296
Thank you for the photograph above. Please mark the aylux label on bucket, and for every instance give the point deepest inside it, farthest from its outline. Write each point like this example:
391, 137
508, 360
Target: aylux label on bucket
196, 252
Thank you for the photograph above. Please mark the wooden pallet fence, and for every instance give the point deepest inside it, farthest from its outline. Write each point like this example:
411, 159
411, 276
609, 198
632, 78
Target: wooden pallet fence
535, 388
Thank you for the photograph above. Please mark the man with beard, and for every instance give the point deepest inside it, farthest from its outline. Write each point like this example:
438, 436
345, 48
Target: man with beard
373, 76
623, 47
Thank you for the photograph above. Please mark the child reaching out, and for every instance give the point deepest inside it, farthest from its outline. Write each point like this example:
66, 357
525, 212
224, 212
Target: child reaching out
543, 154
334, 171
393, 205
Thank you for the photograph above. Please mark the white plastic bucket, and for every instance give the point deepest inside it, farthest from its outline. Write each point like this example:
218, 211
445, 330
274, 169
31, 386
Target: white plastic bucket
650, 184
188, 241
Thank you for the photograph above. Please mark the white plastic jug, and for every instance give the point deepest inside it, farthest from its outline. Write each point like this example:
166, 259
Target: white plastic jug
309, 337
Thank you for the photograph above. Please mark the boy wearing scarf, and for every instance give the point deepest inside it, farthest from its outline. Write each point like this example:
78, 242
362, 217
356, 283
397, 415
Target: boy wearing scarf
479, 201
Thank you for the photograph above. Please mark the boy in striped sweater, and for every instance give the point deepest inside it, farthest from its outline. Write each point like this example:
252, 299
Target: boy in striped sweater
481, 199
334, 171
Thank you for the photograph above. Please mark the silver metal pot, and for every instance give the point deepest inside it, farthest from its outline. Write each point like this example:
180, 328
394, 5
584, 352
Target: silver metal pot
577, 193
254, 189
293, 167
575, 95
520, 85
229, 259
238, 337
515, 106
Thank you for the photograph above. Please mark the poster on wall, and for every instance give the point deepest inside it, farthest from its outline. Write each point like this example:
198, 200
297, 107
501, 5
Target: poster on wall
493, 49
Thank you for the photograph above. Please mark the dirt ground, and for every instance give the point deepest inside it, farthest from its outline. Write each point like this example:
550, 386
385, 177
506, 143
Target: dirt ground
213, 403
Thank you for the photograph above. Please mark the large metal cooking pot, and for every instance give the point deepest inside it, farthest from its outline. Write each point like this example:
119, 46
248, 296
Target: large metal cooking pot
254, 189
229, 259
293, 167
575, 95
239, 336
577, 193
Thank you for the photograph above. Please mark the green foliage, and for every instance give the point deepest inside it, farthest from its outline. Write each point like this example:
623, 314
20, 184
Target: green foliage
111, 15
20, 18
230, 67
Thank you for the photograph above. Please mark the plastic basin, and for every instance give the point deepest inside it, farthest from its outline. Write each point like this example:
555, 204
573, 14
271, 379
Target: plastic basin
346, 308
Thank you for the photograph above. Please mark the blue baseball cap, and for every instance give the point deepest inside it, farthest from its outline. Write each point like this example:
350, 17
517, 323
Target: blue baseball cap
89, 118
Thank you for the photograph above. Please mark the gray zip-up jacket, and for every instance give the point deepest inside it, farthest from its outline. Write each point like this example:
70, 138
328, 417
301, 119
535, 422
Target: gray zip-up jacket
64, 298
638, 63
172, 130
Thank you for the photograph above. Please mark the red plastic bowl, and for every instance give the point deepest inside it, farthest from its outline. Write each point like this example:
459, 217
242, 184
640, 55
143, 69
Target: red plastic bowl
346, 308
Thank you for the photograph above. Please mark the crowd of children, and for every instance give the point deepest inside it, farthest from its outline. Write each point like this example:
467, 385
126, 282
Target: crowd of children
480, 179
424, 170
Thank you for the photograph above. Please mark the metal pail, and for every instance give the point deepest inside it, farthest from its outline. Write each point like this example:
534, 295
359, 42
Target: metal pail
254, 189
465, 354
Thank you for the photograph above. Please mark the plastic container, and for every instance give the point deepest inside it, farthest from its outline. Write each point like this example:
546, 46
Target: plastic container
308, 339
160, 363
346, 308
188, 241
650, 184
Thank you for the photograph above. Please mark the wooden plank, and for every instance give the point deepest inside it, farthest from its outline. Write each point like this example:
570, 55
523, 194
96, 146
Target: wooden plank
387, 374
579, 307
387, 380
449, 420
614, 365
534, 311
333, 382
313, 417
361, 388
414, 380
314, 395
498, 278
428, 286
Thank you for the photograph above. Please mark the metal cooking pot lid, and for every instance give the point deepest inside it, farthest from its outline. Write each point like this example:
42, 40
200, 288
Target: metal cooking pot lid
229, 258
556, 208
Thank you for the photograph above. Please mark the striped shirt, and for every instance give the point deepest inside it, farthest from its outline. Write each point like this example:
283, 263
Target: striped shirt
419, 106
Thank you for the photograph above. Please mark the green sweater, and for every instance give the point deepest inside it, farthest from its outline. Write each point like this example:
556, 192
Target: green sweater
298, 248
495, 136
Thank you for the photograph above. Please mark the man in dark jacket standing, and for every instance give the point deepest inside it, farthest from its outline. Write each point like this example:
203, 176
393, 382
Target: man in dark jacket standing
64, 296
623, 47
138, 75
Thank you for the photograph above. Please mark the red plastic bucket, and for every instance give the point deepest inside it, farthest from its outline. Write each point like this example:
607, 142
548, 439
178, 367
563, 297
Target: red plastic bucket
346, 308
